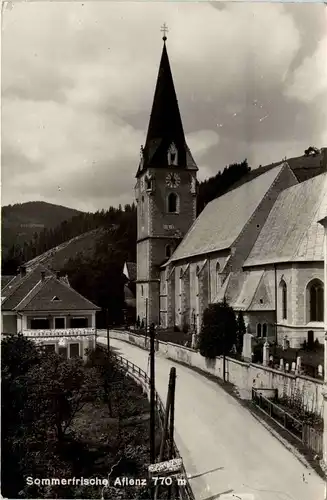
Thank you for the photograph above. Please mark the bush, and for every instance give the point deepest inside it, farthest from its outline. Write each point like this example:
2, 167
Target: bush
176, 328
218, 332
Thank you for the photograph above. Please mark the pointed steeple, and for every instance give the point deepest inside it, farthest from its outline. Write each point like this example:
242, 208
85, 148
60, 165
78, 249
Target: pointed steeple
165, 128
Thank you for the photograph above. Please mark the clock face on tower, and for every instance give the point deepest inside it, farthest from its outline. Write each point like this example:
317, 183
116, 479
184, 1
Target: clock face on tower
172, 180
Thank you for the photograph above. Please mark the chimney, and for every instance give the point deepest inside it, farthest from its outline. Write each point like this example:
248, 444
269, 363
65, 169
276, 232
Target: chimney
42, 275
22, 271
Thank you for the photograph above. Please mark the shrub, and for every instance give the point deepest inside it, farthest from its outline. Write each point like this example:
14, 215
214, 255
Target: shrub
218, 331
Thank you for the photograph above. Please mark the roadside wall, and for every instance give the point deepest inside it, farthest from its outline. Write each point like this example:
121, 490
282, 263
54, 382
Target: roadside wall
243, 375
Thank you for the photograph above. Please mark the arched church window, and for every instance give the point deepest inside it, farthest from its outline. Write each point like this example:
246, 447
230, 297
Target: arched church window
172, 203
142, 290
315, 297
217, 277
197, 280
172, 155
264, 330
284, 299
259, 330
142, 205
168, 251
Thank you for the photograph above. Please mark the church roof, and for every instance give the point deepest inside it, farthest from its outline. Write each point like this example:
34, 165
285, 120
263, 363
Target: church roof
165, 126
223, 219
292, 231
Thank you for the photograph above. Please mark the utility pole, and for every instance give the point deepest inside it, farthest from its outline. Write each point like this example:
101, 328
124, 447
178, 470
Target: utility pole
152, 396
172, 383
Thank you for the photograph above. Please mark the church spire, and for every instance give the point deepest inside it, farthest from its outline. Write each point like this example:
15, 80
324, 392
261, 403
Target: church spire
165, 126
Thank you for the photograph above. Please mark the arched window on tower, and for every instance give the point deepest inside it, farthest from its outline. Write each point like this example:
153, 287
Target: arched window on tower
168, 251
172, 155
315, 300
217, 277
172, 203
283, 287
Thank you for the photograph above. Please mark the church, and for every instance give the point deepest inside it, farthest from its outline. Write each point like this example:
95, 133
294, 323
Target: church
259, 246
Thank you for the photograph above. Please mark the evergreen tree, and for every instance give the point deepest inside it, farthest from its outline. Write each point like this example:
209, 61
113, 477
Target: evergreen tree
241, 330
218, 331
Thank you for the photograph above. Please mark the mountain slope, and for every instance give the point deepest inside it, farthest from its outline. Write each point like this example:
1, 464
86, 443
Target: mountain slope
22, 220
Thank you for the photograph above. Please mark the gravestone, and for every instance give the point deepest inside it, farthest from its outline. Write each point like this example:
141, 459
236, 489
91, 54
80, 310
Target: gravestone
247, 347
194, 341
281, 364
287, 367
298, 364
293, 366
265, 357
320, 371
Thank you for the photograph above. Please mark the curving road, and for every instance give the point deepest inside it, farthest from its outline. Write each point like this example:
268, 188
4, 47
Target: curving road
227, 452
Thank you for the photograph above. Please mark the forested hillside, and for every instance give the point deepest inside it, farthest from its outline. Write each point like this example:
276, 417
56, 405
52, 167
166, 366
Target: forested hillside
100, 244
22, 220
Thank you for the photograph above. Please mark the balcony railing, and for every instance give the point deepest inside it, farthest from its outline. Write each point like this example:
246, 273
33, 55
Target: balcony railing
60, 332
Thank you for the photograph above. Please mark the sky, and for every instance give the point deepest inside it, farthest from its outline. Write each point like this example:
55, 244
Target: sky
78, 81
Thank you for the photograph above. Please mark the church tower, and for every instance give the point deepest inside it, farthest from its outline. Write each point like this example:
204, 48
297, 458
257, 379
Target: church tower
165, 192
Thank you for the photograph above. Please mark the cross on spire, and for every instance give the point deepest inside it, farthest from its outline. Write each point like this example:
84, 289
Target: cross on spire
164, 30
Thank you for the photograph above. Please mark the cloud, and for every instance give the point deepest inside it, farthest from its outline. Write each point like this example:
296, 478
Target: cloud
310, 78
78, 83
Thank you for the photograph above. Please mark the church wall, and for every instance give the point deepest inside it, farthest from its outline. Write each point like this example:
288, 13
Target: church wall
252, 318
214, 259
295, 326
304, 274
143, 260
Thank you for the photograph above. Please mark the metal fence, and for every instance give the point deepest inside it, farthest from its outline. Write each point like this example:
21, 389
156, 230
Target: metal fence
308, 436
184, 491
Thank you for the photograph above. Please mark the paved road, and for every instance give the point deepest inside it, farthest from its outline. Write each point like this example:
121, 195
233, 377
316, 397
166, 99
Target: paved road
228, 453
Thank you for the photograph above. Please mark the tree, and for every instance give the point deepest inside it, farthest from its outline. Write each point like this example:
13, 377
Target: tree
241, 330
218, 331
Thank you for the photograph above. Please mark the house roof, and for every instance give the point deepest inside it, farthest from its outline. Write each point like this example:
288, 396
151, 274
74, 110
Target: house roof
30, 293
15, 291
5, 280
223, 219
292, 231
42, 297
165, 126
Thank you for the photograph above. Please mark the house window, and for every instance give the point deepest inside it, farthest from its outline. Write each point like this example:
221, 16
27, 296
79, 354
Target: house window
49, 348
40, 324
172, 202
142, 290
217, 277
59, 323
78, 322
264, 330
74, 350
168, 251
259, 330
284, 299
55, 299
315, 296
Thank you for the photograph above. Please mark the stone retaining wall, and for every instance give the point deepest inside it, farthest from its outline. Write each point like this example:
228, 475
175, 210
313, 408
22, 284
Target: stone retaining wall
243, 375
